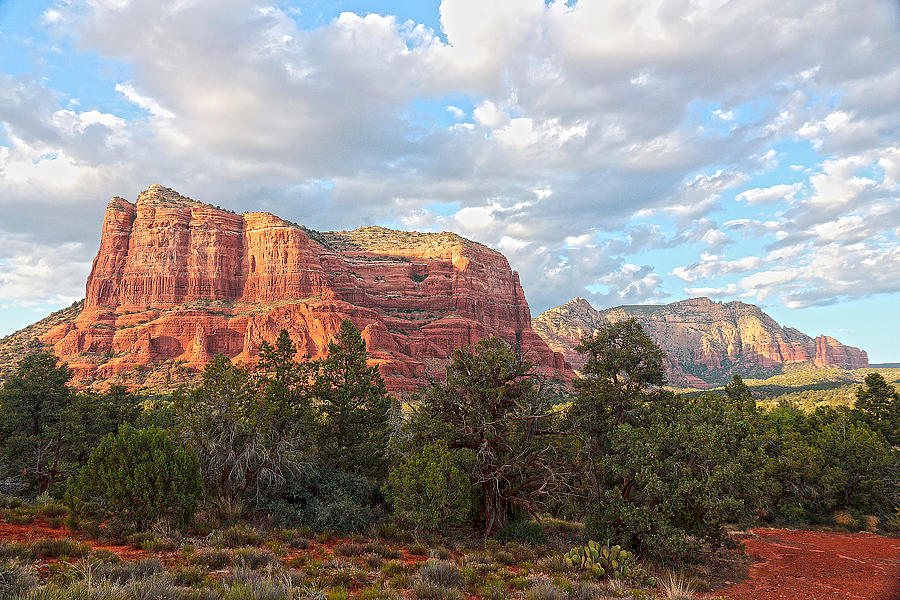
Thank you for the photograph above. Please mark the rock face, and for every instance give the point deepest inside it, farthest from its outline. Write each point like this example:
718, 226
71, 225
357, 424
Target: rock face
705, 342
176, 282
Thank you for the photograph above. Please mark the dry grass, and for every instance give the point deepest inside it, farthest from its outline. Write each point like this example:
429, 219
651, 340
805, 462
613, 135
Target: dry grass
675, 586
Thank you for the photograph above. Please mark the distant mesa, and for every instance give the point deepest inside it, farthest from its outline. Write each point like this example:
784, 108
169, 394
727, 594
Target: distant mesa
176, 282
705, 342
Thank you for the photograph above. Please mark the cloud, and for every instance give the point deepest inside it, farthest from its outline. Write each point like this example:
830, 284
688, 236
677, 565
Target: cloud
644, 120
770, 194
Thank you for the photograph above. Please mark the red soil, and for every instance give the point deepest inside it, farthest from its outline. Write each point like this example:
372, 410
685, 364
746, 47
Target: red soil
817, 565
40, 530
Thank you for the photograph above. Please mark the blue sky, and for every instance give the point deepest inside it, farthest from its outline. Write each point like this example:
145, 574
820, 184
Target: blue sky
622, 151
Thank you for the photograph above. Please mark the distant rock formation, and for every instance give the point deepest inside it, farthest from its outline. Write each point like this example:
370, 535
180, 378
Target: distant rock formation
705, 342
177, 281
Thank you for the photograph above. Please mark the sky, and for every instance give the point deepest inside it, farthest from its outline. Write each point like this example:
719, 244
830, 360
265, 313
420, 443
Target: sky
623, 151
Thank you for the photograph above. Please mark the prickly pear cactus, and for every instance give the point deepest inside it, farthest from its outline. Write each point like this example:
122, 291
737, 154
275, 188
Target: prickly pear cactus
601, 561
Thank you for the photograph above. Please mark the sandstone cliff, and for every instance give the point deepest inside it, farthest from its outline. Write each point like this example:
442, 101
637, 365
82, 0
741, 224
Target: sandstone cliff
176, 282
705, 342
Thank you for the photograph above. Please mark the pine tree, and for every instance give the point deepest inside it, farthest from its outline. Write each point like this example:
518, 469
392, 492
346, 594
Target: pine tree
354, 406
878, 404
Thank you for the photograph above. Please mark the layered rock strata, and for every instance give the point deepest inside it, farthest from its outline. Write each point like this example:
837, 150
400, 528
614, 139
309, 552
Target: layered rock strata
177, 281
705, 342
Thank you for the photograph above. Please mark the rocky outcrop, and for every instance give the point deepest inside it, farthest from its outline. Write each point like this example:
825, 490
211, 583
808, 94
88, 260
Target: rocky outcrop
705, 342
176, 282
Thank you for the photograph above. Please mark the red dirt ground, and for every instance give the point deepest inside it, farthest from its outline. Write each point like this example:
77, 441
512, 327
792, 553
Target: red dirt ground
39, 530
818, 565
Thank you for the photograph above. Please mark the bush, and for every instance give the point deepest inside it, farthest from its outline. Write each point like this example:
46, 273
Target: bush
211, 558
240, 535
15, 579
253, 558
325, 499
57, 547
545, 591
524, 531
425, 590
442, 572
135, 477
124, 572
428, 489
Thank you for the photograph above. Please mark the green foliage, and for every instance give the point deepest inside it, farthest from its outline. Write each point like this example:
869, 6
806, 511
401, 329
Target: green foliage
827, 462
612, 562
685, 469
33, 401
441, 572
491, 409
134, 477
878, 405
623, 362
323, 498
522, 530
428, 489
354, 406
661, 469
245, 433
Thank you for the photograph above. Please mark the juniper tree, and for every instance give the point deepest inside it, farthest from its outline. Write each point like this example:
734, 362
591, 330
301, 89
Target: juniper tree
492, 407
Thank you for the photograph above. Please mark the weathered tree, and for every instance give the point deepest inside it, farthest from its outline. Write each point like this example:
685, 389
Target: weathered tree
491, 406
33, 401
244, 433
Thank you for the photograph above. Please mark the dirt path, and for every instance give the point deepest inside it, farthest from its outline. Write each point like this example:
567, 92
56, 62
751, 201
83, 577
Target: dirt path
817, 565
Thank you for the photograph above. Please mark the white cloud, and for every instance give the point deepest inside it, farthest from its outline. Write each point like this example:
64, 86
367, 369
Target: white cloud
769, 194
595, 101
148, 104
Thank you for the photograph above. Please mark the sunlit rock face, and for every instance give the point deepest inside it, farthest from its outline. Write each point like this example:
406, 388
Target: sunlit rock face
177, 281
705, 342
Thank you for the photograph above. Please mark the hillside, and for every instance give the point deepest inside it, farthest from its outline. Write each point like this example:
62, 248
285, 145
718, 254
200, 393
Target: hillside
14, 346
176, 282
809, 388
705, 342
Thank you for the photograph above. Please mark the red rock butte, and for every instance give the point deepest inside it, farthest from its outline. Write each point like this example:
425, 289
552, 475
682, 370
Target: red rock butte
705, 342
182, 281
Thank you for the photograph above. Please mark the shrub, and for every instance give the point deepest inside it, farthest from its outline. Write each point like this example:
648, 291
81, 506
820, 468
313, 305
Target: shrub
418, 549
871, 522
15, 579
325, 498
846, 520
393, 567
299, 543
135, 477
545, 591
240, 535
674, 586
428, 489
124, 572
492, 590
211, 558
351, 549
442, 572
188, 575
155, 587
425, 590
57, 547
524, 531
253, 558
385, 551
